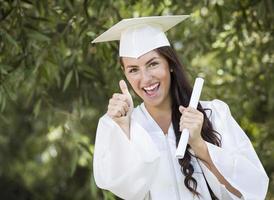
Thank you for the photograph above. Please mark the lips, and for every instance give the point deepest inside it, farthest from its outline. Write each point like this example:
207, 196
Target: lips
152, 89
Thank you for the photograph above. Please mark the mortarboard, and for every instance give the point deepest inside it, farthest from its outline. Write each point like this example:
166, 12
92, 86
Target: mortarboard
140, 35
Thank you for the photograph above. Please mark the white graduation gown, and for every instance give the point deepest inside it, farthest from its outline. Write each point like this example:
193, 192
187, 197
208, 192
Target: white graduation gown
145, 166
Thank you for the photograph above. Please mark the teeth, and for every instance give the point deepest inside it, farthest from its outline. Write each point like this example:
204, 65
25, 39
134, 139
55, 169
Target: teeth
152, 87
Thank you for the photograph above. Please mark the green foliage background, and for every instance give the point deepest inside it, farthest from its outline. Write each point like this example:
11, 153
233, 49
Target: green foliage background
55, 84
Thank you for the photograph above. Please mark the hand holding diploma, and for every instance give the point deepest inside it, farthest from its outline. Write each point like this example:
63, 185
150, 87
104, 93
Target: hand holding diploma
191, 121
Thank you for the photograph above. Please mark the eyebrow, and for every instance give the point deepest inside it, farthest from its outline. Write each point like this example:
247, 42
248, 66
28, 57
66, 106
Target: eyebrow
149, 61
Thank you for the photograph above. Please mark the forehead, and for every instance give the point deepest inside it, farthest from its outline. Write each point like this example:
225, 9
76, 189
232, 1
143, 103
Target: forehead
142, 59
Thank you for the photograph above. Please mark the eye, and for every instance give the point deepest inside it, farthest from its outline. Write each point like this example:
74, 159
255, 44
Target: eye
132, 70
153, 64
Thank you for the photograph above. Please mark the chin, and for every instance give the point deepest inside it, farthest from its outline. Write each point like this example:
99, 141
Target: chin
154, 103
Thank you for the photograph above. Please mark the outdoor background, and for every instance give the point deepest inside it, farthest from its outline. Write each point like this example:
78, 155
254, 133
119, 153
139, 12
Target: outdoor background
55, 84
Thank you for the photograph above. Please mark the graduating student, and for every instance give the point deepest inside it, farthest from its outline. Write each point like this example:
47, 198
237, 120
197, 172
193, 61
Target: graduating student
134, 154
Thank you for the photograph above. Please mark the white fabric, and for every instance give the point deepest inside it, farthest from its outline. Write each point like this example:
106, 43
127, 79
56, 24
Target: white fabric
146, 164
136, 41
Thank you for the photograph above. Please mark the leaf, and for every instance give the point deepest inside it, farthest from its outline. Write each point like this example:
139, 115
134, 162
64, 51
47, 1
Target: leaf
74, 161
2, 101
3, 69
86, 148
9, 38
77, 78
38, 36
67, 80
37, 108
58, 80
3, 105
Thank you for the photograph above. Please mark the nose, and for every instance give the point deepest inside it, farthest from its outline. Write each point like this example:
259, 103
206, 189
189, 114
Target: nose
145, 76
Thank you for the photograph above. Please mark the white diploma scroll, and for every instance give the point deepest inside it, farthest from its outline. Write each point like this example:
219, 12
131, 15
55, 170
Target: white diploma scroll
194, 100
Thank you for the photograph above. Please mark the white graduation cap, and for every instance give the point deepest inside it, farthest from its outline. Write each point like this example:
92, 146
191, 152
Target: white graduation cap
140, 35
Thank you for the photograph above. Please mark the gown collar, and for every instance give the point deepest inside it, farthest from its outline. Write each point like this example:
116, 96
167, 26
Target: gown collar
153, 124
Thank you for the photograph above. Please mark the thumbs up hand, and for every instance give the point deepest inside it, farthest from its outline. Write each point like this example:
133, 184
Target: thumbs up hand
120, 107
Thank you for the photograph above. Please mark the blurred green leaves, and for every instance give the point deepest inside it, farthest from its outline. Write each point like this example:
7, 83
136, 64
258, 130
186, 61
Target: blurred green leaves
55, 84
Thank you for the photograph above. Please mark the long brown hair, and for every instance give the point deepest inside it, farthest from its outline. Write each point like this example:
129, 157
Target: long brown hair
180, 94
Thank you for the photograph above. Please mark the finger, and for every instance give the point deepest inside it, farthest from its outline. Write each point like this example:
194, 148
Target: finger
116, 112
113, 114
192, 110
123, 106
121, 112
182, 108
119, 96
189, 120
119, 99
123, 87
118, 105
189, 114
193, 113
188, 126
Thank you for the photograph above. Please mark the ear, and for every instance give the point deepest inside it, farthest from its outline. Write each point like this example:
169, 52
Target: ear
171, 67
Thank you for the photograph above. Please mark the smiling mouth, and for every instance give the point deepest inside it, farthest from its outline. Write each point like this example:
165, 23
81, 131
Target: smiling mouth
152, 89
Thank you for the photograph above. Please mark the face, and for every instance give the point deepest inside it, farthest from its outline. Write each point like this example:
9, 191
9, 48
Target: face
149, 76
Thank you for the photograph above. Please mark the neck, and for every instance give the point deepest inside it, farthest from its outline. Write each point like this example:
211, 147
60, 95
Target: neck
161, 114
159, 111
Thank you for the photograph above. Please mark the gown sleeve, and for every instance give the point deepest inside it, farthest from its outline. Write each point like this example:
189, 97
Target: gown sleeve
126, 167
236, 160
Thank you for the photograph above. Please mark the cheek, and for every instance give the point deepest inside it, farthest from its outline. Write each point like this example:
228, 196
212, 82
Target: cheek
168, 82
166, 77
134, 83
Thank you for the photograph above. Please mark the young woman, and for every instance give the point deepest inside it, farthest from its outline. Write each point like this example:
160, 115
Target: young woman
135, 148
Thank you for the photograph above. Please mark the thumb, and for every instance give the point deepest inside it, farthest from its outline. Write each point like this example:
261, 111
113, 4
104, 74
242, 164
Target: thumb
123, 87
181, 109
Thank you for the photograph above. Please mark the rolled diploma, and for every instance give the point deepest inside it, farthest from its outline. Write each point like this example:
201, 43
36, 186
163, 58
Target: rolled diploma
194, 100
